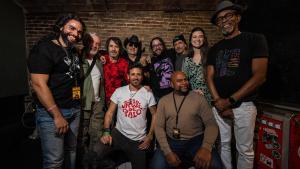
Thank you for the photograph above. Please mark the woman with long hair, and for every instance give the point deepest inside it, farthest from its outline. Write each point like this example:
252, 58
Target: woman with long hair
194, 65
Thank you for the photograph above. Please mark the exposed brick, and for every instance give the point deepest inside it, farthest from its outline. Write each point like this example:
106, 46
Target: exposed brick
145, 24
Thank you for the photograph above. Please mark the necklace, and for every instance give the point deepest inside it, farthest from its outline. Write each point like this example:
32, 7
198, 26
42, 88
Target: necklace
132, 94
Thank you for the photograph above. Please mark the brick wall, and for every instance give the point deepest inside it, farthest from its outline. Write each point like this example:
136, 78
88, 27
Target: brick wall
145, 24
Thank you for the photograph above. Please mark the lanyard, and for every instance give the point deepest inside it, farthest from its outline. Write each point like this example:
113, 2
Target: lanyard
178, 110
68, 56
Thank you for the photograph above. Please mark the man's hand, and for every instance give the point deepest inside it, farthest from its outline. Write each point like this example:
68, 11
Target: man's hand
173, 159
222, 104
145, 143
202, 158
143, 60
227, 114
148, 88
106, 139
200, 92
102, 59
61, 125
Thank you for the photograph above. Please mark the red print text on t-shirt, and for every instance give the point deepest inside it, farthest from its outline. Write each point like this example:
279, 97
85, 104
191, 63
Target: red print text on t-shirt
132, 108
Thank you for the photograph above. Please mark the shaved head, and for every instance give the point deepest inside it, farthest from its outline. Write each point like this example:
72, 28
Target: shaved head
180, 83
175, 74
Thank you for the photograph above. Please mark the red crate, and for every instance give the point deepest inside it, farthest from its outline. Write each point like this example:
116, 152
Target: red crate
269, 142
277, 137
294, 156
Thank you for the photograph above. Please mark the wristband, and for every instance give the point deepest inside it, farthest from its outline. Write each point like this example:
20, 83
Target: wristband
51, 107
106, 130
106, 133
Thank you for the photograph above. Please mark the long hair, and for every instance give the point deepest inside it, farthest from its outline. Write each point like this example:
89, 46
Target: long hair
117, 41
64, 19
204, 48
135, 40
161, 41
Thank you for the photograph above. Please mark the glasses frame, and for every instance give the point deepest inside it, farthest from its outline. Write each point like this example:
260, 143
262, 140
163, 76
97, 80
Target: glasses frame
225, 18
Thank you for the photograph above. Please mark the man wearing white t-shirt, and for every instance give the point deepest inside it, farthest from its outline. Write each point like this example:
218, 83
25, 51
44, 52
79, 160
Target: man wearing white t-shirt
129, 134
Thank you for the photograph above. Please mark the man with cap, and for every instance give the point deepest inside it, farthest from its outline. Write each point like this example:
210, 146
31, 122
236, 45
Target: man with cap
237, 66
180, 48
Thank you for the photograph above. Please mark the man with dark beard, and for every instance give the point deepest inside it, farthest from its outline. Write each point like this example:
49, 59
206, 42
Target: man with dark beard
54, 69
161, 68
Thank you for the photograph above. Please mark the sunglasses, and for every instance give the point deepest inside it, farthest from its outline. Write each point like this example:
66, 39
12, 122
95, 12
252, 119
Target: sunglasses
133, 45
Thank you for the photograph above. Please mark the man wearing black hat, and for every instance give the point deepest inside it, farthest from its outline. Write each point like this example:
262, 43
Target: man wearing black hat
134, 49
180, 48
237, 66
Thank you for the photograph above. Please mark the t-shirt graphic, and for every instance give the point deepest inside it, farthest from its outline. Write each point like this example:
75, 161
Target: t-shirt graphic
132, 108
163, 70
74, 67
227, 62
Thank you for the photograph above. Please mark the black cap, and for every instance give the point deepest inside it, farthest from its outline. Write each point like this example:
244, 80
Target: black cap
179, 37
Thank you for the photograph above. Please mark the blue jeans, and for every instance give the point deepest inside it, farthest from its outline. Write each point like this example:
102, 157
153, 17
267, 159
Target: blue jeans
186, 150
58, 149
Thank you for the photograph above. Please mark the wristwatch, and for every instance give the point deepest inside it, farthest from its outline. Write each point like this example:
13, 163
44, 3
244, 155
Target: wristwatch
232, 100
234, 103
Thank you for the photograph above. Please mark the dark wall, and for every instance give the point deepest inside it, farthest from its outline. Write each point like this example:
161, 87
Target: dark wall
13, 75
278, 21
12, 49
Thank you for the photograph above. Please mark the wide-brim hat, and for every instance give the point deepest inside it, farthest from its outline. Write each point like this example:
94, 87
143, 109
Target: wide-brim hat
133, 40
225, 5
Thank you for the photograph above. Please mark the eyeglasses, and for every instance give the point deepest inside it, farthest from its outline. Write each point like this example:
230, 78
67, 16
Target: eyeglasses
224, 18
158, 45
133, 45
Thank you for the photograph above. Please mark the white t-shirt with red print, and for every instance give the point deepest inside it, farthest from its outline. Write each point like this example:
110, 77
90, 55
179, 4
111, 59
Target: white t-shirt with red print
132, 109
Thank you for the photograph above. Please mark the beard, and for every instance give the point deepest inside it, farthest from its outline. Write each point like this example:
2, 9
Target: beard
225, 33
66, 40
93, 52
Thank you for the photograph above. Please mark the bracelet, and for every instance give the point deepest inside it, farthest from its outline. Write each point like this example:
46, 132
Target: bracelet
106, 133
106, 130
51, 107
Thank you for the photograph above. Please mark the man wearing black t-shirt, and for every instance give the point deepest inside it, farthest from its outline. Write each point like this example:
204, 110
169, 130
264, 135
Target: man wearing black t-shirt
54, 69
237, 66
161, 68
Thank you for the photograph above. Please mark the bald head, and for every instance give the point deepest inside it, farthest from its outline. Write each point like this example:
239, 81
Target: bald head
95, 44
176, 74
180, 82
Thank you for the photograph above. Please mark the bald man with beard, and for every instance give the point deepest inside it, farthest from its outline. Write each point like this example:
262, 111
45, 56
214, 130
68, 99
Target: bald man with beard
185, 130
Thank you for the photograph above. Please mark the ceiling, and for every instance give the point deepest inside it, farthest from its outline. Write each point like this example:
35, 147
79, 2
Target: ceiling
116, 5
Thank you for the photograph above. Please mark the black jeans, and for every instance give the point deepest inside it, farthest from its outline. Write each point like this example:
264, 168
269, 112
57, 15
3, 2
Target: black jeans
122, 144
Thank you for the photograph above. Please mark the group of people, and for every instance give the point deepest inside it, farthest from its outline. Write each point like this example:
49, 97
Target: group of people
118, 100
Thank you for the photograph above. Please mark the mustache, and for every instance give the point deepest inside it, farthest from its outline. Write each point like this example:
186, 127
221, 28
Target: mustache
65, 37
